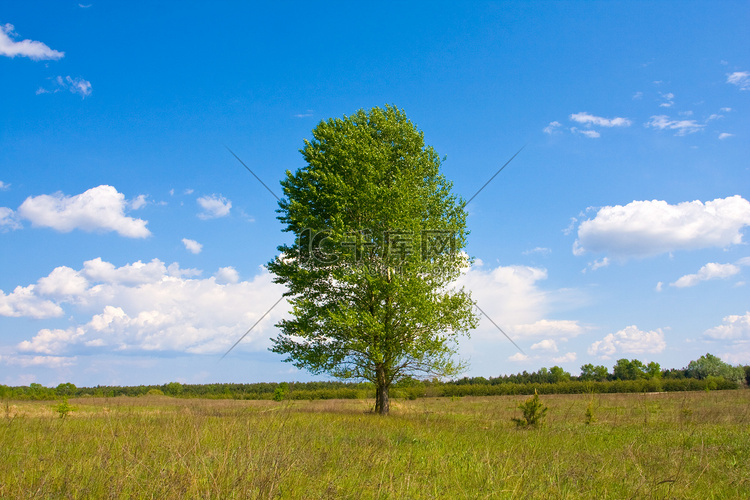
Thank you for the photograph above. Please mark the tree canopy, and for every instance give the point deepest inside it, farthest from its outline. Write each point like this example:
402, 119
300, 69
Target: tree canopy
379, 239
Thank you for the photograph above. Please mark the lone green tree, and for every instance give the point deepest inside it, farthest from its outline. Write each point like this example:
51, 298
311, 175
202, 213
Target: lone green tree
378, 246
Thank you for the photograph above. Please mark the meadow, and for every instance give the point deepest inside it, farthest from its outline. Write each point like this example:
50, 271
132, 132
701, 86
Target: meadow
665, 445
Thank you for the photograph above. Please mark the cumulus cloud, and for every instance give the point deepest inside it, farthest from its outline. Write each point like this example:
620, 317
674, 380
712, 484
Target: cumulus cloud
146, 307
192, 245
545, 345
681, 127
214, 206
25, 302
74, 85
734, 327
565, 358
725, 135
227, 275
710, 271
37, 51
51, 341
137, 273
138, 202
645, 228
512, 297
63, 282
629, 340
588, 119
8, 219
558, 328
99, 209
518, 357
4, 186
740, 78
552, 127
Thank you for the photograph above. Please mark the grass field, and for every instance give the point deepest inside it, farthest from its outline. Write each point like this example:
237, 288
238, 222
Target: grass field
669, 445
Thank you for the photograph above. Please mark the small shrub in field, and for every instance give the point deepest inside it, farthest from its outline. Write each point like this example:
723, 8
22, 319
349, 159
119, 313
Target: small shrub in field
154, 392
63, 409
280, 392
590, 413
533, 412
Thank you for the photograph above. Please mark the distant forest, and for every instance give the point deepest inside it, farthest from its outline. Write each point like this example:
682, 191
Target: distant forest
706, 373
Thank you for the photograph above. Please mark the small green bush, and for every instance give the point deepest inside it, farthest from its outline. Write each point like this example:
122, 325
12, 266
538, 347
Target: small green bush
154, 392
280, 391
63, 409
533, 412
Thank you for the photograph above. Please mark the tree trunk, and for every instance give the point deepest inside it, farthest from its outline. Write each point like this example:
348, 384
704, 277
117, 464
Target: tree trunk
382, 405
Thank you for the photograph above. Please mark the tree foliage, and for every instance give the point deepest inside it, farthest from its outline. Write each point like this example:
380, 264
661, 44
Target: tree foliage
712, 366
369, 275
593, 373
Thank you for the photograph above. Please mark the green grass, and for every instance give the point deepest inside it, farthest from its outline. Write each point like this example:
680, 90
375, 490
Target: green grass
674, 445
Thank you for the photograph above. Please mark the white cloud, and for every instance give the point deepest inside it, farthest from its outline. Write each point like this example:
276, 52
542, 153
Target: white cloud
24, 302
25, 48
725, 135
552, 127
214, 206
8, 219
740, 78
74, 85
668, 100
710, 271
659, 286
227, 275
591, 134
51, 341
597, 264
513, 298
518, 357
99, 209
726, 110
544, 327
734, 327
645, 228
4, 186
629, 340
63, 282
46, 361
588, 119
149, 307
682, 127
637, 95
137, 273
138, 202
545, 345
539, 250
192, 245
566, 358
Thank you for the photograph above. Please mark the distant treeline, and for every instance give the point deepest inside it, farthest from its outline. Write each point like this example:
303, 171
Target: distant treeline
706, 373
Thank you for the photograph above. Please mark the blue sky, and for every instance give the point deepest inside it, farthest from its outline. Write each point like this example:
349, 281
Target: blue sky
133, 243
